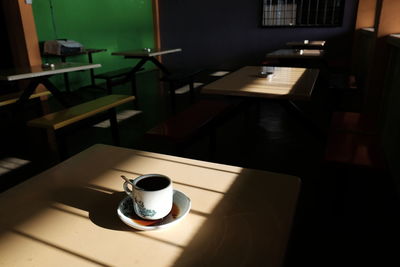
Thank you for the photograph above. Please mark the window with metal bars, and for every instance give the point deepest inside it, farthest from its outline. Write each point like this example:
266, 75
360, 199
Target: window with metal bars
302, 13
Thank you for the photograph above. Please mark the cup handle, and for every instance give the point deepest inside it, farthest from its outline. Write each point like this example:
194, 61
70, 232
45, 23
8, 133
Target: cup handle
126, 188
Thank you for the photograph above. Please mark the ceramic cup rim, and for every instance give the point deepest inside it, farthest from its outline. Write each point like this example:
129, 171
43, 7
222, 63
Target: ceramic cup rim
141, 177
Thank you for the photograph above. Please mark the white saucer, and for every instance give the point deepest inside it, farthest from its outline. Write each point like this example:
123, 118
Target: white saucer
180, 209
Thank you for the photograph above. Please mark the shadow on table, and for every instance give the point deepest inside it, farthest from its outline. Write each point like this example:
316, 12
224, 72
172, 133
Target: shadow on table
101, 206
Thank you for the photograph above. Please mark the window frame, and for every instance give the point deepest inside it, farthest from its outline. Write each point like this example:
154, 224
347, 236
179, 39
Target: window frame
340, 24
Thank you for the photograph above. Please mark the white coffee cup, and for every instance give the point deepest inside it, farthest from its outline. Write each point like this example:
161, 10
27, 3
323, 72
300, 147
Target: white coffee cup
152, 195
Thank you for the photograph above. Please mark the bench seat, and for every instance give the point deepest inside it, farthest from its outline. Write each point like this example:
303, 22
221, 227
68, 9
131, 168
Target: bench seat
76, 113
58, 120
179, 78
116, 77
184, 76
187, 124
354, 149
113, 74
353, 122
12, 98
200, 119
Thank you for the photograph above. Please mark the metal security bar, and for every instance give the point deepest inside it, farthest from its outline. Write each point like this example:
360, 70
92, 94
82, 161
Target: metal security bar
315, 13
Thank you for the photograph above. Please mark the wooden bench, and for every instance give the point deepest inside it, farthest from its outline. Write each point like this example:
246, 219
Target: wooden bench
12, 98
179, 78
117, 77
354, 149
353, 122
58, 120
200, 118
354, 140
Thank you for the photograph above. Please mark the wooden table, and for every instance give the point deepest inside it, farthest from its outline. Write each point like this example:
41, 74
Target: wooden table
40, 75
147, 55
66, 216
286, 83
89, 52
306, 44
296, 54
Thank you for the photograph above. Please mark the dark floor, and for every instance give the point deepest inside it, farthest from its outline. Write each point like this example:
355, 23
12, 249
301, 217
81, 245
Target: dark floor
345, 216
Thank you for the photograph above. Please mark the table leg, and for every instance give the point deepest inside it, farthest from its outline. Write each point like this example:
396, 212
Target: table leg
139, 65
135, 69
159, 65
91, 70
60, 145
66, 79
172, 96
295, 110
33, 84
112, 113
54, 91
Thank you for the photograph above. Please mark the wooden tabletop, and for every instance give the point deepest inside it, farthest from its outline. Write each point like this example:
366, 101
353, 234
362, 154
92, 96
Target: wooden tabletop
84, 52
66, 216
296, 53
307, 44
286, 83
40, 70
146, 52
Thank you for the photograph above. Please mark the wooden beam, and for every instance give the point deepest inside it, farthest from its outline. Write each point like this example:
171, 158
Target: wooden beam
156, 23
156, 26
387, 21
366, 14
22, 33
365, 18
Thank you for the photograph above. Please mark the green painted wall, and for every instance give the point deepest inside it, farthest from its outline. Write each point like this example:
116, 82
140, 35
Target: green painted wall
112, 24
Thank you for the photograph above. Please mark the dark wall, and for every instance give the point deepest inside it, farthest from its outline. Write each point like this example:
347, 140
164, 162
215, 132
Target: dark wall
226, 32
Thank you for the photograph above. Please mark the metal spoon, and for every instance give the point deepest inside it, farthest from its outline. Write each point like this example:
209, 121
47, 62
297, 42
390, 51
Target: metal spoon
126, 179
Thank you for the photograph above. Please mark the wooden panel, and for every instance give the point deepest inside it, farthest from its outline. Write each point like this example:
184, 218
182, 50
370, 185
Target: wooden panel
361, 58
362, 54
354, 149
71, 115
387, 22
156, 22
22, 33
391, 115
366, 14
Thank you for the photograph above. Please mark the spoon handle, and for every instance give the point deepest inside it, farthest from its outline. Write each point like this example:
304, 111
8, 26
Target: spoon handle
126, 179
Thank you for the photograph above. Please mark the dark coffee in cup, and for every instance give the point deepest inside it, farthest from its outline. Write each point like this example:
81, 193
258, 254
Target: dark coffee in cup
153, 183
